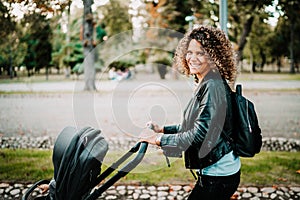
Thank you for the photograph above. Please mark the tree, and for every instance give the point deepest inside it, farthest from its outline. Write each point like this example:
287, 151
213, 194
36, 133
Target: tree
277, 42
241, 17
116, 17
279, 46
29, 59
291, 10
88, 46
67, 44
75, 57
22, 40
44, 48
172, 14
6, 23
259, 50
37, 38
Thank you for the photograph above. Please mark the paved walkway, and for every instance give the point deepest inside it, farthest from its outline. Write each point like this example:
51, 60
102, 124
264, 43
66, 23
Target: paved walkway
119, 108
105, 85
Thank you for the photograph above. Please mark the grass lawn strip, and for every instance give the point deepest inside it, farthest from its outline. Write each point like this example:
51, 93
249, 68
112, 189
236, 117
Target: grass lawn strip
266, 168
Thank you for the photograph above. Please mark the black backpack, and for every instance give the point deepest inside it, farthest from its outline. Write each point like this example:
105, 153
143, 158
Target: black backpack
246, 139
77, 169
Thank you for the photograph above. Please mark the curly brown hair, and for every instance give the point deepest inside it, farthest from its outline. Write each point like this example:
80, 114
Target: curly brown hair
216, 45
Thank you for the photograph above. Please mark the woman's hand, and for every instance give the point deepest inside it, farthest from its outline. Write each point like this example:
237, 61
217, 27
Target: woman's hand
149, 136
152, 134
155, 127
44, 188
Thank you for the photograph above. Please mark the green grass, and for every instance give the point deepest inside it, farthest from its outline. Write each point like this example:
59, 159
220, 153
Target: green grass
266, 168
25, 165
272, 168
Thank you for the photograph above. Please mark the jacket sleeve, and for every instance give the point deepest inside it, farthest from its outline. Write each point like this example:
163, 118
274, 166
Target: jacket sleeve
172, 129
205, 126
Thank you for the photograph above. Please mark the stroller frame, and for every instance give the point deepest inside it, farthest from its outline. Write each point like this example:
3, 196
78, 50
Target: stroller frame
140, 148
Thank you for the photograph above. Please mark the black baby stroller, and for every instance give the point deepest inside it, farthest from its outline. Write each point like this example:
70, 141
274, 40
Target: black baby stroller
77, 158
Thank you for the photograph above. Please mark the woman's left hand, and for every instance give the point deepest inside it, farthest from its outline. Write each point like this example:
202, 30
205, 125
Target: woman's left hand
44, 188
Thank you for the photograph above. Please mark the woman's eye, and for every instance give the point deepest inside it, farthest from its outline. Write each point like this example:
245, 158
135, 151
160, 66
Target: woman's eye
200, 53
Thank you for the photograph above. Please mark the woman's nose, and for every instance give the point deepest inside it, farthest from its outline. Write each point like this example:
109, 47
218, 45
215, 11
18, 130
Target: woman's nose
193, 57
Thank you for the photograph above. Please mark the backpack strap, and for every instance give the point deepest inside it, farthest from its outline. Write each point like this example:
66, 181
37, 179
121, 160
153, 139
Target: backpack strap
238, 89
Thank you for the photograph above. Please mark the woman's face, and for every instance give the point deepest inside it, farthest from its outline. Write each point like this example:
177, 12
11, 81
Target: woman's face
196, 59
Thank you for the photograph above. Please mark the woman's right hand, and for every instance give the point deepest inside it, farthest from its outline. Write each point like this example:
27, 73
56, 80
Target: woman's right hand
155, 127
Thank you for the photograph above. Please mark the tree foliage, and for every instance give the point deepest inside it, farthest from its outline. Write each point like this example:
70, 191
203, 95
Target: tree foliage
257, 46
6, 23
32, 34
116, 17
39, 40
172, 14
37, 37
242, 16
291, 11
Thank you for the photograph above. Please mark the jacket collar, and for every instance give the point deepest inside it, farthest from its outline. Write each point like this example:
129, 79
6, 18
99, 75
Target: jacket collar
212, 74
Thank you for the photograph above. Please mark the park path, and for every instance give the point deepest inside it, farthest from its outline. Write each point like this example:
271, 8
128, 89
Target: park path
121, 109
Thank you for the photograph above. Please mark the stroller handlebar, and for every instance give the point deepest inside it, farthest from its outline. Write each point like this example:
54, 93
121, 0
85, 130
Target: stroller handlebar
140, 148
28, 192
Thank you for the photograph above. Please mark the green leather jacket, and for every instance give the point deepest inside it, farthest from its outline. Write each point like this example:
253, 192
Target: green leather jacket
208, 113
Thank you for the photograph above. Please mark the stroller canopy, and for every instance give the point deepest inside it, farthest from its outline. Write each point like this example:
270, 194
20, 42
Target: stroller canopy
77, 158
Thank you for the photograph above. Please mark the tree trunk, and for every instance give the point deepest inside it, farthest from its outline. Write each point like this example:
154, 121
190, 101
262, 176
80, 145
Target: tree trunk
252, 64
11, 71
292, 28
263, 59
68, 39
243, 39
89, 58
278, 64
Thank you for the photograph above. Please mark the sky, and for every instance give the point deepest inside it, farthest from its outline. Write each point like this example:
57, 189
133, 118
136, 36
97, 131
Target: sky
272, 9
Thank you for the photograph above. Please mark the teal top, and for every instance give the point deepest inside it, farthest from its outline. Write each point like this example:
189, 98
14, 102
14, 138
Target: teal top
229, 164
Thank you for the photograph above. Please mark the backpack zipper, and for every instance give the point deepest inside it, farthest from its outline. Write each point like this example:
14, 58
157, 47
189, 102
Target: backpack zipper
248, 121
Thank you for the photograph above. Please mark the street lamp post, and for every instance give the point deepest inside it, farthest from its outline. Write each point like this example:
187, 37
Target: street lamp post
223, 15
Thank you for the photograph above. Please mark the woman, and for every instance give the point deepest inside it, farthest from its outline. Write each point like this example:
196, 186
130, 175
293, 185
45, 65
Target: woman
207, 54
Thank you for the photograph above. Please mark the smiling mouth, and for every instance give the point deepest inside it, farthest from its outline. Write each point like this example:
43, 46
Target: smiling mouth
195, 65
